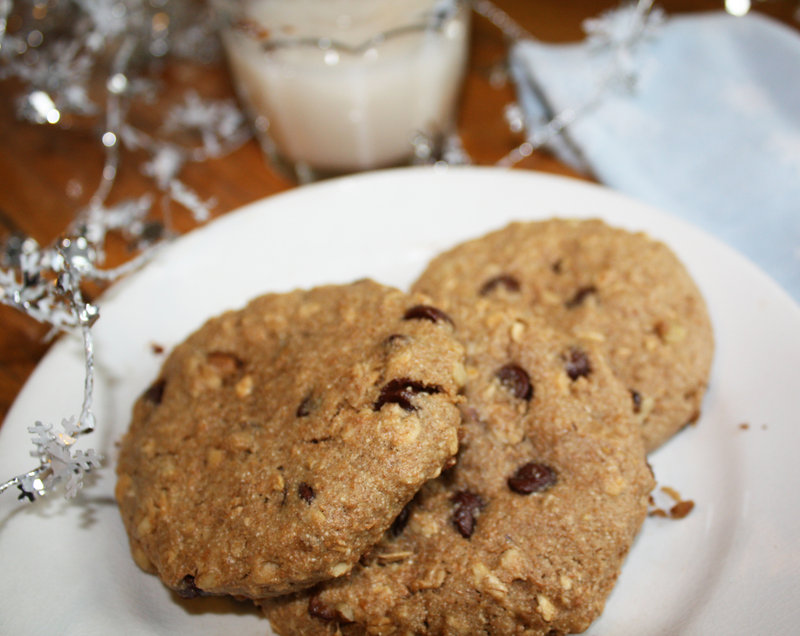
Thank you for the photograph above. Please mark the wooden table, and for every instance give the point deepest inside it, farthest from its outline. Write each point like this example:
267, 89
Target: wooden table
47, 174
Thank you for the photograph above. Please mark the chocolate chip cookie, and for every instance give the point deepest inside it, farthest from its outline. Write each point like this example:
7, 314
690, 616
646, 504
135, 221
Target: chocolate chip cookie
526, 533
281, 440
623, 290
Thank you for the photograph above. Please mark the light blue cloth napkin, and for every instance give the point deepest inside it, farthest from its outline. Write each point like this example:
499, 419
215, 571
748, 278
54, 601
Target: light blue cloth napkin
710, 133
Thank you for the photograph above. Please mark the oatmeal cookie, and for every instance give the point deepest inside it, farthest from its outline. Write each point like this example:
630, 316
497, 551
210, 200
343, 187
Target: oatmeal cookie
526, 533
280, 440
624, 290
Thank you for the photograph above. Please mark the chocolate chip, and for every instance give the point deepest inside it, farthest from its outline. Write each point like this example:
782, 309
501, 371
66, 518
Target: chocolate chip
306, 492
577, 364
581, 295
637, 400
188, 589
318, 609
467, 506
306, 406
556, 266
155, 392
516, 380
400, 391
503, 280
426, 312
401, 521
532, 477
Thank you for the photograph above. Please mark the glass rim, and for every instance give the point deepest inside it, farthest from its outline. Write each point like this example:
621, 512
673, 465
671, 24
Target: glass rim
434, 20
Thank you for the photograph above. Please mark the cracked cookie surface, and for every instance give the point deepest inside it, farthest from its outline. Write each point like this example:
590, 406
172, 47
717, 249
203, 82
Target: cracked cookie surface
526, 533
623, 290
281, 440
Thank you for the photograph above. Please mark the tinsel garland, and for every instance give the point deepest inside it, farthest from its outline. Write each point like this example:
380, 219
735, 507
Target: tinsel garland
620, 31
56, 50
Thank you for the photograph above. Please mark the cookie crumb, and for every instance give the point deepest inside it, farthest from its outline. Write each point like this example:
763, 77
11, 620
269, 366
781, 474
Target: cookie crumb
671, 492
681, 509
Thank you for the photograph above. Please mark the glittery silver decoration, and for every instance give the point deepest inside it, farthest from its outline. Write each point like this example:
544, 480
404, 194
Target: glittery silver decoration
443, 149
5, 9
46, 284
57, 51
619, 31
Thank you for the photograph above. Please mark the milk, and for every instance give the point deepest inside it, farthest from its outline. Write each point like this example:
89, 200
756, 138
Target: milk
331, 93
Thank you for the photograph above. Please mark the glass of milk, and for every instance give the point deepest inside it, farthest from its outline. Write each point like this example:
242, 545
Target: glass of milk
339, 86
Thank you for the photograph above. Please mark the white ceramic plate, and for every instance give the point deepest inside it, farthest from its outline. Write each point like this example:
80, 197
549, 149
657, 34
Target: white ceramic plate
731, 567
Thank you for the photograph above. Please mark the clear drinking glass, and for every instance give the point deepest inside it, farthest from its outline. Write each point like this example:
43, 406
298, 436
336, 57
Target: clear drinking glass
339, 86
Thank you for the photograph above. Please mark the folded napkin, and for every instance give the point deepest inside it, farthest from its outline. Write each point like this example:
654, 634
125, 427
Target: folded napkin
710, 131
